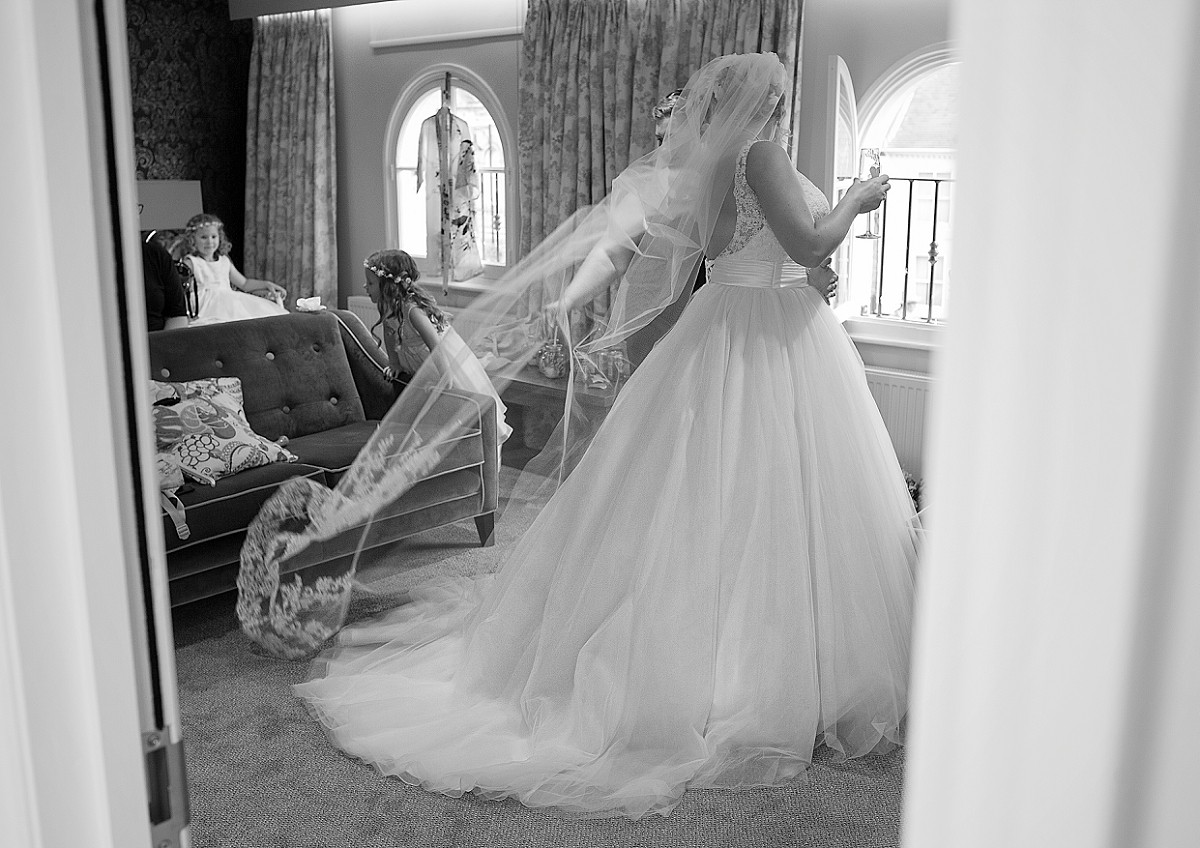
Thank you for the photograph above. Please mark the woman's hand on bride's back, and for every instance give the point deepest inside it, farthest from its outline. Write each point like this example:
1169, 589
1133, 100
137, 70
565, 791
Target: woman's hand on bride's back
868, 194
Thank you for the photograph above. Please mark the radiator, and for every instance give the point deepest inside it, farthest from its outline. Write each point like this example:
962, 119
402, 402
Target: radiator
361, 306
903, 400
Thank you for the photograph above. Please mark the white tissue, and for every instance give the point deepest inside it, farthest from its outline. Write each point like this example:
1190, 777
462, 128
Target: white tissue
309, 304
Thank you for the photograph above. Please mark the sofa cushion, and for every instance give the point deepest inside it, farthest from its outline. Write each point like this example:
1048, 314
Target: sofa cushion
334, 449
295, 377
230, 505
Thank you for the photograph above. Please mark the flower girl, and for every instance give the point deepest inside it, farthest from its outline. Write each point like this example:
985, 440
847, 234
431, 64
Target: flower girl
223, 292
414, 328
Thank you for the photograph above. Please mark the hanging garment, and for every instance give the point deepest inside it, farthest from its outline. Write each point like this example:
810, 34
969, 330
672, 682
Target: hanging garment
450, 211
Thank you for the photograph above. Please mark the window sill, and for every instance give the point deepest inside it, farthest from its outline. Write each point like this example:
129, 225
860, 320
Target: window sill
894, 333
472, 287
461, 292
886, 343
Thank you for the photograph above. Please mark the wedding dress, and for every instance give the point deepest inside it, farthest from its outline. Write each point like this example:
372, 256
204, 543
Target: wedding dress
723, 582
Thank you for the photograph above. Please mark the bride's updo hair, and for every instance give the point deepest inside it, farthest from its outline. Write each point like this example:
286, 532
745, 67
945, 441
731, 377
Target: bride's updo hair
662, 113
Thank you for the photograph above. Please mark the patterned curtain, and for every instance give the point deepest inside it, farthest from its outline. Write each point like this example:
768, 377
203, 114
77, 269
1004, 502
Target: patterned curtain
593, 71
291, 181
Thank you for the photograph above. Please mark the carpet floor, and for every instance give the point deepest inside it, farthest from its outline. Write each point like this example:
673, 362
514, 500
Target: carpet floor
262, 774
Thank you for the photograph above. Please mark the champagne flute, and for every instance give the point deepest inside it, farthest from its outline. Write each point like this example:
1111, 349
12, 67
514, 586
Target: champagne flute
868, 168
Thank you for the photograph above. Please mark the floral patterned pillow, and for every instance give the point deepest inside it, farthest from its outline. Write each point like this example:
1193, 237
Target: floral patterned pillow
202, 423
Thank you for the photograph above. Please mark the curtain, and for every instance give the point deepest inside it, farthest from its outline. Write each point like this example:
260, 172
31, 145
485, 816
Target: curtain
291, 180
593, 71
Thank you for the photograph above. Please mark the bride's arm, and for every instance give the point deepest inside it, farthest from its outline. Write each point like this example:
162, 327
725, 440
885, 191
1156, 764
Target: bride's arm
780, 194
608, 260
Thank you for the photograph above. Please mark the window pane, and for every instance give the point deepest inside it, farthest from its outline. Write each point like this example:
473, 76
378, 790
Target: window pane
917, 131
925, 117
491, 229
410, 132
410, 204
489, 153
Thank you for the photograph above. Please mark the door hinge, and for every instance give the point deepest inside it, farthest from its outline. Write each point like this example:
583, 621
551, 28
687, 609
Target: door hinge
166, 782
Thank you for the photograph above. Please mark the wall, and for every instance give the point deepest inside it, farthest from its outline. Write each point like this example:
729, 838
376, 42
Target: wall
188, 68
872, 36
368, 82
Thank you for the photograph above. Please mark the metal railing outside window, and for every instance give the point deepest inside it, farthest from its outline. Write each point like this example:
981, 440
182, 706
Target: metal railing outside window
491, 232
910, 261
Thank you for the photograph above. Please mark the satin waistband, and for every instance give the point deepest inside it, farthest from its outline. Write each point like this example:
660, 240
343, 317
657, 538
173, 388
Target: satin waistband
756, 273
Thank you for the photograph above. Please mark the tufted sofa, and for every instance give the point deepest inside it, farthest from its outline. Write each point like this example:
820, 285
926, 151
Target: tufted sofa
318, 380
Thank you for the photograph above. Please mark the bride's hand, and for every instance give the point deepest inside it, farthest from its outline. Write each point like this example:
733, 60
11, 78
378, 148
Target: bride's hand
824, 279
870, 193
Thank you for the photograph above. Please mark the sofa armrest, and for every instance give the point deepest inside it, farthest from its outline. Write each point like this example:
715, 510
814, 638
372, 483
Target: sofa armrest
367, 365
491, 450
485, 408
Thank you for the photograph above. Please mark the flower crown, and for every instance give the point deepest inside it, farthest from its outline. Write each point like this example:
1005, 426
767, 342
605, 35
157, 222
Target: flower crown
382, 272
206, 220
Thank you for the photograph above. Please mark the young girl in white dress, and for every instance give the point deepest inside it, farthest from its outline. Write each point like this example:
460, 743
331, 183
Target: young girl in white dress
223, 292
414, 328
724, 581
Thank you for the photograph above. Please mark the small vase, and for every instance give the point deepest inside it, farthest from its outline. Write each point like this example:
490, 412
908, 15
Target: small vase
552, 360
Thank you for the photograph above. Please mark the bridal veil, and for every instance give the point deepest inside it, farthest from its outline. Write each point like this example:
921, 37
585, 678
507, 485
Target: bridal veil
648, 234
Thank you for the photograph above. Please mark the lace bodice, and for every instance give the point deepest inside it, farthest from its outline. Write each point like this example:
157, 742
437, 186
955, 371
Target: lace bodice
752, 237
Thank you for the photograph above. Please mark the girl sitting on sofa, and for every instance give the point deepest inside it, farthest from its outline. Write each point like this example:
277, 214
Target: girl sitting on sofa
414, 326
224, 293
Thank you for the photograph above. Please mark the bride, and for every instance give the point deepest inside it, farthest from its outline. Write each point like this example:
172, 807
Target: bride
724, 578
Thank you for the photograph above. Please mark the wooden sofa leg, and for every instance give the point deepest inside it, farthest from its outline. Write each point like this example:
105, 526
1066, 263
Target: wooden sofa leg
486, 525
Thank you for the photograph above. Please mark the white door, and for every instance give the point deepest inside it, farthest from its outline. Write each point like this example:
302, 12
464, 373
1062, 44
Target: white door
841, 155
87, 678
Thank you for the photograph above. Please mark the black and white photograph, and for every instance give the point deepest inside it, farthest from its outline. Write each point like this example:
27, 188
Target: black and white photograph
600, 424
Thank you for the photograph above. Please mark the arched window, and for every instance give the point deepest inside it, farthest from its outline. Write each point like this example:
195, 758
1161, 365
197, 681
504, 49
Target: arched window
911, 116
495, 159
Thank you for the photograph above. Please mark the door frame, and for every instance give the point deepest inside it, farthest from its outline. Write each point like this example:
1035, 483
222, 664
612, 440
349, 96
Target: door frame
86, 659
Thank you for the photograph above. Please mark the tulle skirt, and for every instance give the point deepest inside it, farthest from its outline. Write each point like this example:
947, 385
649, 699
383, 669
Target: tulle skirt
723, 583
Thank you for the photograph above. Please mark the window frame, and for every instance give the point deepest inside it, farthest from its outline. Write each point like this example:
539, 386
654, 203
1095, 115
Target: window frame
433, 77
908, 344
904, 73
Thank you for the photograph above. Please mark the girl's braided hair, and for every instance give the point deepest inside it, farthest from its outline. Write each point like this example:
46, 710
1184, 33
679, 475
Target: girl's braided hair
398, 275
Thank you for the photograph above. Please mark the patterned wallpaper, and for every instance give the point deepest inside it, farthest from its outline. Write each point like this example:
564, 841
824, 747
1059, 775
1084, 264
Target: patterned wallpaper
189, 66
